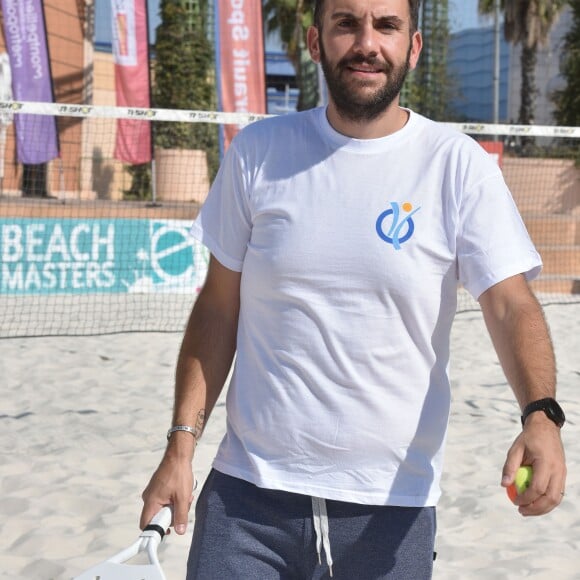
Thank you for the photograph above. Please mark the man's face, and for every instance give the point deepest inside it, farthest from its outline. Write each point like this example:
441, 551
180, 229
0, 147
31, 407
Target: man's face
366, 50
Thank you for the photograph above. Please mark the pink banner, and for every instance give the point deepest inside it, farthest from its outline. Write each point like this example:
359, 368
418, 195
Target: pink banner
241, 59
131, 56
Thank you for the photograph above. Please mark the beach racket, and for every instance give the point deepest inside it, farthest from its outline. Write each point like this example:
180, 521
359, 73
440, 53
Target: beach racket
118, 568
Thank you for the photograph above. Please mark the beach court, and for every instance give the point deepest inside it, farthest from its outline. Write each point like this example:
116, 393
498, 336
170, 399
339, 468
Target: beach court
83, 425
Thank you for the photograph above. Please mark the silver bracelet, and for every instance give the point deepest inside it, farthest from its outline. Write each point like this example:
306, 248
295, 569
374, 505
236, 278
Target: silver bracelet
187, 428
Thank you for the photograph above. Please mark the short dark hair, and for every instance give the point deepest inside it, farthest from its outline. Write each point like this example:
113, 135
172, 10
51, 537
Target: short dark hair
414, 6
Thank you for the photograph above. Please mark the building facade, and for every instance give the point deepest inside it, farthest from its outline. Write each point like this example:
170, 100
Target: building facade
471, 65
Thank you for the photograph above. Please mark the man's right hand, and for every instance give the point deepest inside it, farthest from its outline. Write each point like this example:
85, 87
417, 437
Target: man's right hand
170, 485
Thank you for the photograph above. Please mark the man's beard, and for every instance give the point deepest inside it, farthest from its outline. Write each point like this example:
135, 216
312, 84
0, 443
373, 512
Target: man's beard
353, 107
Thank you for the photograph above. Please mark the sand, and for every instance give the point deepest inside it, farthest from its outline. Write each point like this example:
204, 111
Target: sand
83, 423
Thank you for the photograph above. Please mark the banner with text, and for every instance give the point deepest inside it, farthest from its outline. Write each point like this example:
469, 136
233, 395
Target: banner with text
25, 34
131, 56
242, 78
74, 256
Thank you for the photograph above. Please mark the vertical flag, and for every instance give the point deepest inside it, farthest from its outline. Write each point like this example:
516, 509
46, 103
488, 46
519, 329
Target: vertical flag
25, 34
132, 86
241, 74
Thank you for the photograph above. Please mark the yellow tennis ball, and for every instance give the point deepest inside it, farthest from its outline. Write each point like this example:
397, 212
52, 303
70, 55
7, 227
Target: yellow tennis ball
521, 482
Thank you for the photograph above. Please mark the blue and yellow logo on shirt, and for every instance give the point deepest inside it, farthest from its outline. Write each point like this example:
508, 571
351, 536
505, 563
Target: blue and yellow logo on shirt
399, 222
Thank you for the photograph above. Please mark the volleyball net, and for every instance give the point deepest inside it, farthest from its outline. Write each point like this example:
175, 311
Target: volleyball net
93, 244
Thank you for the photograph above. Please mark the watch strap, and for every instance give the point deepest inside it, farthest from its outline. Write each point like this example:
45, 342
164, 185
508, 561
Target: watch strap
549, 406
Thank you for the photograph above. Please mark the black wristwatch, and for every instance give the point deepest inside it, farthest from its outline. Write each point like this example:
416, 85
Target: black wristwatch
550, 406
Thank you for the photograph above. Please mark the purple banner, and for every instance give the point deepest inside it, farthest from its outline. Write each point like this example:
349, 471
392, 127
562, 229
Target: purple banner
25, 34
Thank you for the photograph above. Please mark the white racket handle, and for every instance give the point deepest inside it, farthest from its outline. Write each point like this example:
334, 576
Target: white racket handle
159, 524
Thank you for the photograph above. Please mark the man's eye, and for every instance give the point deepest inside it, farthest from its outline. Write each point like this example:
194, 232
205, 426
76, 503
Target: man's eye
346, 23
387, 26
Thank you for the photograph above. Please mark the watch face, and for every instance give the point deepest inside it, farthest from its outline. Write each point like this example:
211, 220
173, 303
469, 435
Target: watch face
554, 412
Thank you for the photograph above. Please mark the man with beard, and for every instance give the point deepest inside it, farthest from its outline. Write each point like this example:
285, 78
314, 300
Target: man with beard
338, 237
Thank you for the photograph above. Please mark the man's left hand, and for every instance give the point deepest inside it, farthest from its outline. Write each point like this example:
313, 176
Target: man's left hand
539, 446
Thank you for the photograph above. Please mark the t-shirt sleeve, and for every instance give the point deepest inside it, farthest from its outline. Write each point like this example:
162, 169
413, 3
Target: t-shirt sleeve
224, 222
493, 243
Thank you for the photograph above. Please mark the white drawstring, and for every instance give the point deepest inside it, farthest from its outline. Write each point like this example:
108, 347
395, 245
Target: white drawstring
320, 520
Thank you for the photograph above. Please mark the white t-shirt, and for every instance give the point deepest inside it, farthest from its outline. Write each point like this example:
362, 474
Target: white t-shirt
351, 252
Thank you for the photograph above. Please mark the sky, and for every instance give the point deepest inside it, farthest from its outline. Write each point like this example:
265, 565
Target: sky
462, 14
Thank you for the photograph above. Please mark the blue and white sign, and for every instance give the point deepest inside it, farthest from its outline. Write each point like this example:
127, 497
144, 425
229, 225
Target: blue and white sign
73, 256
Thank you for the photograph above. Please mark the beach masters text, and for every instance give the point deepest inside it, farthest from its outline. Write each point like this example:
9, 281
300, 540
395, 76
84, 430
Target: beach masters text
42, 256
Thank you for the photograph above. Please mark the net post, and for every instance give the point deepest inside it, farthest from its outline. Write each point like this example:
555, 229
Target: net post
154, 202
61, 173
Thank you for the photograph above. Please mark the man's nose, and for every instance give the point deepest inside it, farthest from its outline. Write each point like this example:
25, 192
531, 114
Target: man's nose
366, 40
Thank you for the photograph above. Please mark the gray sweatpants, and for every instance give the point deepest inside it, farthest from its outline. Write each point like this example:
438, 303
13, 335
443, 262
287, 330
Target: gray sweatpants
249, 533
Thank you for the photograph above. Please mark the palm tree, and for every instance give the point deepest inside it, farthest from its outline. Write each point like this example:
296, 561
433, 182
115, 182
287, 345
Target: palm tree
430, 88
291, 19
567, 99
528, 23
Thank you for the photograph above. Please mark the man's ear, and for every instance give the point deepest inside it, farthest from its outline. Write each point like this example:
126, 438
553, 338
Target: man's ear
416, 46
313, 43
